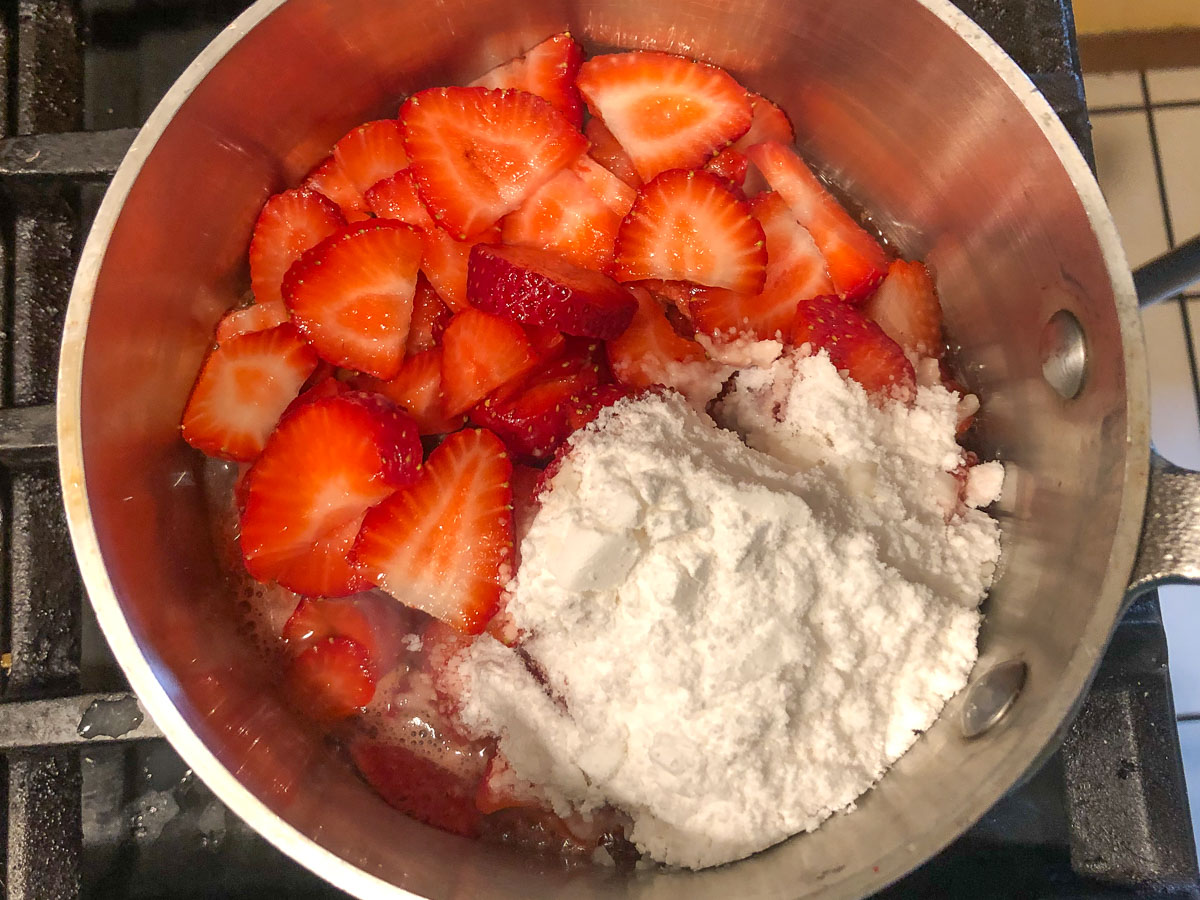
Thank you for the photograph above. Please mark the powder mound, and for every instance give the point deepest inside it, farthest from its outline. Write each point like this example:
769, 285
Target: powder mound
735, 639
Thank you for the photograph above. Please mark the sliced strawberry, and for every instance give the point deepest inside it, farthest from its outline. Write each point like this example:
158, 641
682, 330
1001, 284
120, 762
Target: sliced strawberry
319, 388
289, 224
255, 317
332, 679
478, 154
589, 403
243, 387
352, 295
322, 468
649, 349
444, 545
329, 179
326, 569
538, 287
729, 165
667, 112
547, 343
616, 194
418, 786
610, 154
537, 417
565, 216
445, 264
856, 345
502, 789
767, 123
906, 307
417, 389
795, 271
371, 152
481, 352
856, 261
688, 226
548, 70
429, 319
397, 198
314, 621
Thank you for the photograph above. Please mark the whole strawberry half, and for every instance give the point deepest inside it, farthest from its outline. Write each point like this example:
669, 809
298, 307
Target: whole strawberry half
444, 544
352, 295
244, 386
323, 467
540, 287
667, 112
477, 154
856, 345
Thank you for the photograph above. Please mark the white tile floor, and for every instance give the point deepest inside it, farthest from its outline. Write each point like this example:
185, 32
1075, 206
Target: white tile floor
1146, 129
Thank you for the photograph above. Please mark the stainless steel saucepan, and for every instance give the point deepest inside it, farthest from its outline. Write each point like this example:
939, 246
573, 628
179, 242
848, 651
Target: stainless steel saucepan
914, 112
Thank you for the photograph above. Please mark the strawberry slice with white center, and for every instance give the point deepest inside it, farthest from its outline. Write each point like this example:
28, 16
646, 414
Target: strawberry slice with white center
397, 198
688, 226
323, 467
541, 288
481, 352
548, 70
331, 181
650, 352
429, 319
255, 317
606, 151
767, 123
478, 154
795, 271
289, 224
352, 295
616, 194
417, 389
856, 345
371, 152
856, 261
566, 216
243, 388
332, 679
906, 307
326, 569
445, 544
667, 112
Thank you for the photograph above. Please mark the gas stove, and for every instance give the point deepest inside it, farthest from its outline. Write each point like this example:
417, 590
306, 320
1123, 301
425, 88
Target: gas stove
97, 804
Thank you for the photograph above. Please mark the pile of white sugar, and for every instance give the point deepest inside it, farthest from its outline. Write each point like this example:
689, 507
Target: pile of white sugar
738, 642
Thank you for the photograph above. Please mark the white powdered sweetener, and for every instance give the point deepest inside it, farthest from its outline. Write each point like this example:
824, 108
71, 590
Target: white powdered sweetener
737, 639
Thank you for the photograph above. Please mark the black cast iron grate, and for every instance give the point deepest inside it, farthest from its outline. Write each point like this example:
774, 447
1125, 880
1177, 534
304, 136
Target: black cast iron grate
93, 803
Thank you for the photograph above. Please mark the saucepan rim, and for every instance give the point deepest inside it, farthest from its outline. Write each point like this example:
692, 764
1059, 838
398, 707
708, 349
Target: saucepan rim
146, 683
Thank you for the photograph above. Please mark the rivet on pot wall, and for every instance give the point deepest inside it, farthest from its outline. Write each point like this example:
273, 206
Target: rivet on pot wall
1063, 349
991, 695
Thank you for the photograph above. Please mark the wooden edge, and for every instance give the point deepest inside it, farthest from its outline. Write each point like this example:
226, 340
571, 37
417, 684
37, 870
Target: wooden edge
1133, 50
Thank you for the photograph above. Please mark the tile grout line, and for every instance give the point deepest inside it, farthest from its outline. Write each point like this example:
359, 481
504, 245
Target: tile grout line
1181, 302
1140, 107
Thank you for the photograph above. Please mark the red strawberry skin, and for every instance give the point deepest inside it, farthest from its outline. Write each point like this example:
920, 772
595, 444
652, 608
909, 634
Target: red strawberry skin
371, 152
323, 467
548, 70
477, 154
289, 224
906, 307
856, 261
418, 786
316, 620
856, 345
243, 388
255, 317
730, 165
688, 226
538, 287
481, 352
444, 545
667, 112
352, 295
332, 679
429, 319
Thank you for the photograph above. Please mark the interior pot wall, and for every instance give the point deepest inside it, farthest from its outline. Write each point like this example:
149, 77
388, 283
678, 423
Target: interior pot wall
899, 110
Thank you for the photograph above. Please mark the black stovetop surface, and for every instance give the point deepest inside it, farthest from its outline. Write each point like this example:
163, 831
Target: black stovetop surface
87, 815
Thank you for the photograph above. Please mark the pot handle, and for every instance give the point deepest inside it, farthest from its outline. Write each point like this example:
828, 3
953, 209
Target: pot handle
1169, 552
